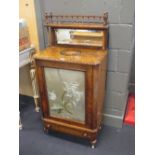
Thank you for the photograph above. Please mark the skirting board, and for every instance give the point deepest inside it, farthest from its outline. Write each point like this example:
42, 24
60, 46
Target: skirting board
112, 120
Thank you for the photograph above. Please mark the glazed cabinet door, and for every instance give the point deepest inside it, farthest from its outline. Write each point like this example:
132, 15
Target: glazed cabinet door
63, 91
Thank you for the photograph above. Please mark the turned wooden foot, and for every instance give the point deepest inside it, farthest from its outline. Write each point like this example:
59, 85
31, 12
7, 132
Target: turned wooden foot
93, 143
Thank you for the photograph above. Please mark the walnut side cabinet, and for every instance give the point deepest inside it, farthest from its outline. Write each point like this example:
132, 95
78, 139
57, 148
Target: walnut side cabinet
71, 80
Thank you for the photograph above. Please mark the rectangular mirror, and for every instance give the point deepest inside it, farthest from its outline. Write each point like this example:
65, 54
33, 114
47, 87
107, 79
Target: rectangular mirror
80, 37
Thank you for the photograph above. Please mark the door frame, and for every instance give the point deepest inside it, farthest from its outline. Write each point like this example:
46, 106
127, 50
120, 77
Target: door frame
87, 69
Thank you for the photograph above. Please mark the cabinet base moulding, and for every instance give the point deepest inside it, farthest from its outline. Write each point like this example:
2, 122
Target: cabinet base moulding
73, 130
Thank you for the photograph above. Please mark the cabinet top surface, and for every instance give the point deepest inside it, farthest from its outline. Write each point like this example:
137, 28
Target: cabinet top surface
72, 55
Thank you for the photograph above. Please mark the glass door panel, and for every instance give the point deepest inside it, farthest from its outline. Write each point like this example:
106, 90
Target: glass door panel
66, 93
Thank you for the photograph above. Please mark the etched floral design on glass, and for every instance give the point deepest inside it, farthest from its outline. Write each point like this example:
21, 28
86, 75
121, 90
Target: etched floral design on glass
66, 93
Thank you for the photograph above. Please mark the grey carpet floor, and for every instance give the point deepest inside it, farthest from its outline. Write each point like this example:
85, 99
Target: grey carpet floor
33, 140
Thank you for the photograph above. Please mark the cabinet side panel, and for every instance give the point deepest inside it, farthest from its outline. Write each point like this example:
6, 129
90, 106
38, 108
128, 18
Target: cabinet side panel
101, 88
41, 85
95, 83
89, 97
